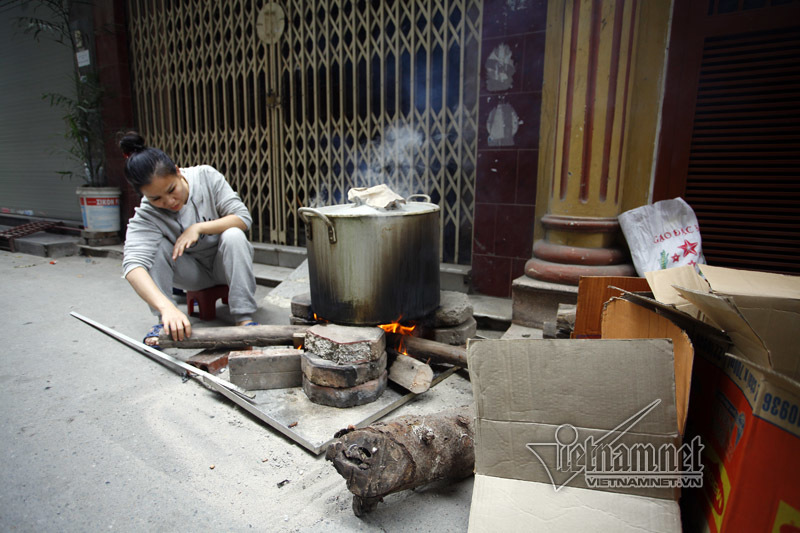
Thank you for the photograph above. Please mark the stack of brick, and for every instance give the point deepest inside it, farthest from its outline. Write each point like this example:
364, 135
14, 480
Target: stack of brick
344, 366
452, 322
273, 367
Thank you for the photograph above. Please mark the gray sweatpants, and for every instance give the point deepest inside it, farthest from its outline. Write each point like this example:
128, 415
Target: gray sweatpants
231, 264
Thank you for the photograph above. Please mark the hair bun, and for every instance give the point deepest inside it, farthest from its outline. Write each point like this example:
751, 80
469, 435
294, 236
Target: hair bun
131, 143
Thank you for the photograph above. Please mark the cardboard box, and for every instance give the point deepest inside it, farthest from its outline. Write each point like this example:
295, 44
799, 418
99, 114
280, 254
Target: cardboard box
745, 401
540, 404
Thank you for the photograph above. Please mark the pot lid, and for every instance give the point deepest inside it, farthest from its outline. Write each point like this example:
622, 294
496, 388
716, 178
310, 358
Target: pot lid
353, 210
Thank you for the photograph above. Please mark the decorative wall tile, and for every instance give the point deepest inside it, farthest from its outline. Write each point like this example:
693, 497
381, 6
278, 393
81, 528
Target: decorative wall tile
500, 69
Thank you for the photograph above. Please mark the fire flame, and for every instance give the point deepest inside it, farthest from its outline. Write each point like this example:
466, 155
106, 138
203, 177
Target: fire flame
397, 327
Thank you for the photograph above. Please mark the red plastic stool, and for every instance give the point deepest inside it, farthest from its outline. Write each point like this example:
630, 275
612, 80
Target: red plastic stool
206, 300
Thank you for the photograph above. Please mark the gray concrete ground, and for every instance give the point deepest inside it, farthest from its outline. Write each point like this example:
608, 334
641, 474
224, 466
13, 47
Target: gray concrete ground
95, 436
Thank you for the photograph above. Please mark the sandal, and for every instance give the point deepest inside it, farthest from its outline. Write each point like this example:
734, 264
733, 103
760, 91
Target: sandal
155, 331
251, 323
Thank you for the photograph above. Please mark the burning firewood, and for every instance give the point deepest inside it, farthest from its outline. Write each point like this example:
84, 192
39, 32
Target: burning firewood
403, 453
425, 350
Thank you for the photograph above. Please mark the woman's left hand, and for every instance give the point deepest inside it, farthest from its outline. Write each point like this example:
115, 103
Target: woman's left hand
187, 239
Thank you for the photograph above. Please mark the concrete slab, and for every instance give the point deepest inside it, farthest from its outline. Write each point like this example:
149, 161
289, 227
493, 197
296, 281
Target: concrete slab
489, 334
522, 332
536, 302
345, 344
454, 277
327, 373
45, 244
454, 335
454, 309
491, 312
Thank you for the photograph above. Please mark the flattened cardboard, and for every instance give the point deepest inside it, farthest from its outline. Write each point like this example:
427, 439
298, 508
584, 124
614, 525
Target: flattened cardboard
531, 395
735, 282
527, 451
510, 505
771, 305
725, 314
662, 281
587, 383
702, 335
760, 311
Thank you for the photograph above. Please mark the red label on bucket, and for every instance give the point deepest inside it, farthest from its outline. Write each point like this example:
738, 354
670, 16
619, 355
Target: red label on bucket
100, 201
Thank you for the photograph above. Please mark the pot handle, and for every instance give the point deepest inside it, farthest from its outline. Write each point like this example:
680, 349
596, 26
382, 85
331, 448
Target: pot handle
423, 196
304, 212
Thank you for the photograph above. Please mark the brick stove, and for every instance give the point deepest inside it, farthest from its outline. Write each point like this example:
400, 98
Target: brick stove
343, 366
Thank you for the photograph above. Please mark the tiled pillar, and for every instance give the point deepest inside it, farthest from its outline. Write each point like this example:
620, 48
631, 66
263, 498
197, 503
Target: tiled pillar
512, 57
590, 72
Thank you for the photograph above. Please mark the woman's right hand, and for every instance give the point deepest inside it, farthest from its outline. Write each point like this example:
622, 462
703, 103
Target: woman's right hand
176, 324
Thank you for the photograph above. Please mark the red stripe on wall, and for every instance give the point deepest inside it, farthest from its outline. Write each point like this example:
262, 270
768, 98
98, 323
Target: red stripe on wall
568, 112
625, 95
591, 94
613, 73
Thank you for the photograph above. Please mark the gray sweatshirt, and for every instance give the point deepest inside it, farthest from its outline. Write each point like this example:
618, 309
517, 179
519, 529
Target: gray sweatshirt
210, 198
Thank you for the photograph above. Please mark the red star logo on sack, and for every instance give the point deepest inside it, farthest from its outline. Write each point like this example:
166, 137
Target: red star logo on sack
688, 248
675, 258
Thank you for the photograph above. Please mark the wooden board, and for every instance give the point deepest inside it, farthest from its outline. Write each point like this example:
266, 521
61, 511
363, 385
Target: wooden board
593, 292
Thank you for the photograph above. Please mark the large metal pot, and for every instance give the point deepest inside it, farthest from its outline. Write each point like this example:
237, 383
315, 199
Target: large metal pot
372, 266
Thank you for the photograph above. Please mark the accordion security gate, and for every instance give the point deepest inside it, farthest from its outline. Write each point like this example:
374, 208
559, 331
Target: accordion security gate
296, 102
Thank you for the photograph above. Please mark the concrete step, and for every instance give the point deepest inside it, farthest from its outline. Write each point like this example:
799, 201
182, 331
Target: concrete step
490, 312
522, 332
45, 244
455, 277
274, 262
114, 251
536, 302
279, 255
270, 275
266, 275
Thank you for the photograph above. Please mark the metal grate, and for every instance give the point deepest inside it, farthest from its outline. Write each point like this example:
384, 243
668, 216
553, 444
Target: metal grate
743, 168
7, 237
351, 93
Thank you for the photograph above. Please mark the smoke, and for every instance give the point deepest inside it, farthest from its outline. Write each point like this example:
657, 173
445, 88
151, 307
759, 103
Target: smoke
398, 158
394, 159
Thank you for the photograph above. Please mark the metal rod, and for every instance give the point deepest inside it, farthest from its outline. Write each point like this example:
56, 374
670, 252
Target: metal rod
166, 360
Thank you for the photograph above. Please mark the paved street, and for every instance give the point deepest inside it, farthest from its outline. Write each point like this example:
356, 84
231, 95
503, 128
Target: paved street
95, 436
